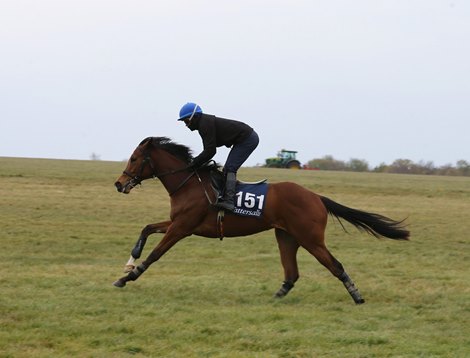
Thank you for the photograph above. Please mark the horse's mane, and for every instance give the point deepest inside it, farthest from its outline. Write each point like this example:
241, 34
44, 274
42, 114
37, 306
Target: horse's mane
178, 150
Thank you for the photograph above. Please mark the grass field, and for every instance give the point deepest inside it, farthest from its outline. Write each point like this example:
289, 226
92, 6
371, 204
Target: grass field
66, 235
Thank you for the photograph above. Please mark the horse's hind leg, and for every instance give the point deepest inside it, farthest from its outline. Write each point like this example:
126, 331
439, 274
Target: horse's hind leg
315, 244
150, 229
331, 263
288, 247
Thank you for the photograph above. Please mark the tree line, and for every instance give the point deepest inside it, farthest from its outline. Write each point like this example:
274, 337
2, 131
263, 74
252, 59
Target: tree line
400, 166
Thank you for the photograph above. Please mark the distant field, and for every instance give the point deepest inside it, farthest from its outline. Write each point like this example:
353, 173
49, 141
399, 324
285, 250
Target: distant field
66, 235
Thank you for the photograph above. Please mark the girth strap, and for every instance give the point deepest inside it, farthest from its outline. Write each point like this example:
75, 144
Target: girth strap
220, 223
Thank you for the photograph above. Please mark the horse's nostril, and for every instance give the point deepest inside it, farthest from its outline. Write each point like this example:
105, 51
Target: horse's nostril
118, 186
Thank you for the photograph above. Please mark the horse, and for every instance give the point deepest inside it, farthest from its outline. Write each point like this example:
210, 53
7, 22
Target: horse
297, 215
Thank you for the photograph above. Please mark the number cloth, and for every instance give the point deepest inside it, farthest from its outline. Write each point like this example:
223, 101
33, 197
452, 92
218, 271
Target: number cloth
250, 199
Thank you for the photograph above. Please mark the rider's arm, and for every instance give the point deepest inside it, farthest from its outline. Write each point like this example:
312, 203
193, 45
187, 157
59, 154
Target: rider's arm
207, 132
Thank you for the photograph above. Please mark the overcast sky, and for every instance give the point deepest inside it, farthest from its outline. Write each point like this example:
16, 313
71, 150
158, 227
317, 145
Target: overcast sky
373, 80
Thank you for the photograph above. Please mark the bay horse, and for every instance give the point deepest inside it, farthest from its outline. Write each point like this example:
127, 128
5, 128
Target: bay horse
297, 215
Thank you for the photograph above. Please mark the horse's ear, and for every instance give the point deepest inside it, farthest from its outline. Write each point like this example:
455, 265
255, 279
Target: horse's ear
148, 142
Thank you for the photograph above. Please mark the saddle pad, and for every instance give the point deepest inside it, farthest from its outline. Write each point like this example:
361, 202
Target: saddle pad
250, 199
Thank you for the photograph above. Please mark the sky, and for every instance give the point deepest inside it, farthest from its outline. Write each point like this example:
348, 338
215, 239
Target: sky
376, 80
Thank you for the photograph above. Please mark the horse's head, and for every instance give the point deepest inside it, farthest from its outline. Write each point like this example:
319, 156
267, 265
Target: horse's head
154, 157
139, 167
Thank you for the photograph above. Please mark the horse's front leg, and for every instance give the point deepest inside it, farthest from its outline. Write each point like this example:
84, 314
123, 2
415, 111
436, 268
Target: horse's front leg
171, 237
150, 229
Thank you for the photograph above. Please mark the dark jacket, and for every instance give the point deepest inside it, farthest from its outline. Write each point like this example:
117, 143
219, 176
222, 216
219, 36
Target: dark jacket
216, 132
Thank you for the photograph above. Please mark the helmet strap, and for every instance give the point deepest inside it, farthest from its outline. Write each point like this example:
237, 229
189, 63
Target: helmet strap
192, 114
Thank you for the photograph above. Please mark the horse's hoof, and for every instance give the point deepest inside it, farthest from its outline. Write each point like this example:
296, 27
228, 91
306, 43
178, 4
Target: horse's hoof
119, 283
360, 301
284, 290
128, 268
279, 295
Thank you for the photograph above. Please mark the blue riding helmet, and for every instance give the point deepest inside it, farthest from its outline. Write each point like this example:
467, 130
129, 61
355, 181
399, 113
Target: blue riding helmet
189, 110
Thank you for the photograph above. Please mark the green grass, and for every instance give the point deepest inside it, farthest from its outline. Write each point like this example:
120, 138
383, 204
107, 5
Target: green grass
66, 235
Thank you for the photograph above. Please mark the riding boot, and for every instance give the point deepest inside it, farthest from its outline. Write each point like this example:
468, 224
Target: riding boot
227, 202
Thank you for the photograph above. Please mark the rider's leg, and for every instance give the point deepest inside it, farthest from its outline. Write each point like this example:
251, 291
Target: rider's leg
227, 201
237, 156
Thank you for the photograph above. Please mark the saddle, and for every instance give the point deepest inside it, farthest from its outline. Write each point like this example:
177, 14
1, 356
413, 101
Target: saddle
218, 182
250, 197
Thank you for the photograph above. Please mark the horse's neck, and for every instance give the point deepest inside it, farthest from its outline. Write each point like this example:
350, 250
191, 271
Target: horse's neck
167, 163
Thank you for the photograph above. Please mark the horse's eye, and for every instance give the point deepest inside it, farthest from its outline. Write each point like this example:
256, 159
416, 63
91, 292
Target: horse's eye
133, 159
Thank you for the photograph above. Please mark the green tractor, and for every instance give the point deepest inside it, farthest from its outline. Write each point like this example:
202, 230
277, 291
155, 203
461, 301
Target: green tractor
285, 159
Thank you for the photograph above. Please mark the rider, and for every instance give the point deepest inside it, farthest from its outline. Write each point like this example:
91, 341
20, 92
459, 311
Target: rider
216, 132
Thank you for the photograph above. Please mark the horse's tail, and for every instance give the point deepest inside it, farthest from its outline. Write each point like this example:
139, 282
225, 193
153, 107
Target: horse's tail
374, 224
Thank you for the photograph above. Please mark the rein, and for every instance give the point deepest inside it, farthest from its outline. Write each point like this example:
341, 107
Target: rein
137, 179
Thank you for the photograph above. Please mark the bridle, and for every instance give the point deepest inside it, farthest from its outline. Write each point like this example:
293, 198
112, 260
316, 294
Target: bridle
137, 179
